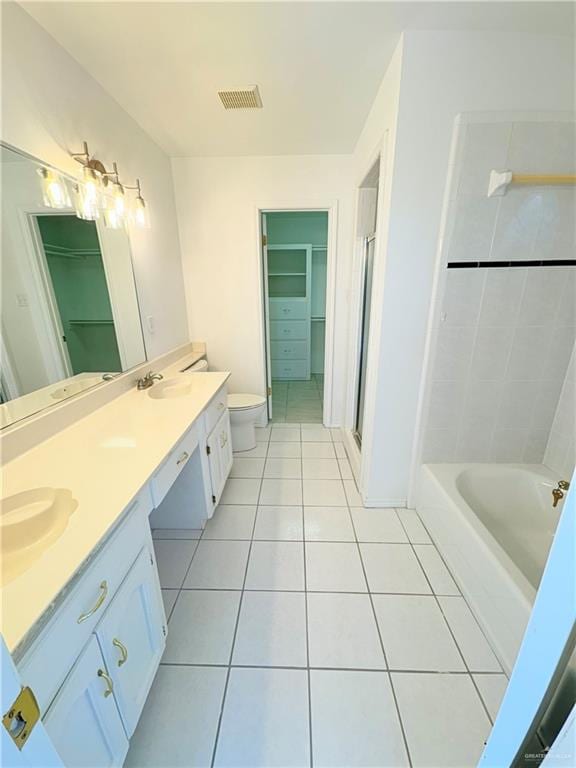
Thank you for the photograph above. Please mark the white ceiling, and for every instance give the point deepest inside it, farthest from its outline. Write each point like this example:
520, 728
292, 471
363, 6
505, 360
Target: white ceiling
318, 64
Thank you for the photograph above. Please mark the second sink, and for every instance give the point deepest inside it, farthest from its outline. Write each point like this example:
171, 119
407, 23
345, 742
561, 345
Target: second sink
170, 388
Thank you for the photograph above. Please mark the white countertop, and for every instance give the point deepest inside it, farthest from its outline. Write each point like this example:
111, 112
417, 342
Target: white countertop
104, 460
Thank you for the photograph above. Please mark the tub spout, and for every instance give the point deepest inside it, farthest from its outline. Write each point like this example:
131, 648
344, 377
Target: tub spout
558, 493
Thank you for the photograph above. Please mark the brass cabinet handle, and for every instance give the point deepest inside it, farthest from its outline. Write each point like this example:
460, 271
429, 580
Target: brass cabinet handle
97, 604
109, 683
123, 650
185, 456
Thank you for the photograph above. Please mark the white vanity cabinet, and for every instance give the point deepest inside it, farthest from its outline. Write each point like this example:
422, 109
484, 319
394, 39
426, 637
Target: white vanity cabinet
131, 637
83, 721
219, 450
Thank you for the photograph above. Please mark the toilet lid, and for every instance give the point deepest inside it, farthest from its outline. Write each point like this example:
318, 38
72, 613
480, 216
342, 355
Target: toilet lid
245, 401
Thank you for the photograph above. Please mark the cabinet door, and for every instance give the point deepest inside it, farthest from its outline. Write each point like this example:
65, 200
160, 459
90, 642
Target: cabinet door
132, 637
220, 455
83, 720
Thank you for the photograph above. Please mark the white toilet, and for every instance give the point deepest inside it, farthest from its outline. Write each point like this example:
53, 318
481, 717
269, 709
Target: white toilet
245, 412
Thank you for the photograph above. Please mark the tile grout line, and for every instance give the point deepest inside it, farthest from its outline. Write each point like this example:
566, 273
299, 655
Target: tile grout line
308, 676
229, 670
435, 596
392, 690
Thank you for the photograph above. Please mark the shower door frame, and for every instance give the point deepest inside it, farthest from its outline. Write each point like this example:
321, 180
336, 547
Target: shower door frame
331, 208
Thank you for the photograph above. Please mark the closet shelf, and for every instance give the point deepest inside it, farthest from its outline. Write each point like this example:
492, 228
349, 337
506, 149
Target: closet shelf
318, 319
287, 274
91, 322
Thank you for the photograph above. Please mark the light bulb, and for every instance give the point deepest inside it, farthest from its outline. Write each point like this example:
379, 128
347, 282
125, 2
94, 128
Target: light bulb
92, 185
85, 202
140, 213
54, 190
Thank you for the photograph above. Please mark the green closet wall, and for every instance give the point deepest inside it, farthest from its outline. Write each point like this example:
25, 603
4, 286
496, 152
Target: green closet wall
78, 278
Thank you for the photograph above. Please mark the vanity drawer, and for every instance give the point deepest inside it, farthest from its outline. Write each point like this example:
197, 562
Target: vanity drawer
289, 350
288, 329
164, 477
47, 662
290, 369
216, 408
288, 309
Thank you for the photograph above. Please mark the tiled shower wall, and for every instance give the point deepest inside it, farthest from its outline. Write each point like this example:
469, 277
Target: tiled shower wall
503, 335
561, 449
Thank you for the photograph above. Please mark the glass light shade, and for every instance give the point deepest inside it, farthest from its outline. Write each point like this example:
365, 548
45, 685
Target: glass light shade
140, 213
86, 203
111, 218
92, 185
119, 199
54, 189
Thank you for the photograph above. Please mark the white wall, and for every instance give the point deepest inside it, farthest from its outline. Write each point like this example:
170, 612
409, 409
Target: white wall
50, 105
442, 74
217, 201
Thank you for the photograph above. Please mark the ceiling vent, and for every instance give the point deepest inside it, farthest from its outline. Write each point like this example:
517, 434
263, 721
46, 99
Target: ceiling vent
241, 98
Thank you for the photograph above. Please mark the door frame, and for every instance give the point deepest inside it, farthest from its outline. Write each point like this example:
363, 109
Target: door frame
331, 208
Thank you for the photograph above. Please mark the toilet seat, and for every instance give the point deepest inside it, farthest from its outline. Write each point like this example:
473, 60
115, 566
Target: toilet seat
242, 402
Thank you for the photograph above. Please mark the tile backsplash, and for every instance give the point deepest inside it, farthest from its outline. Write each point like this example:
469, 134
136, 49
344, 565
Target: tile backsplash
503, 337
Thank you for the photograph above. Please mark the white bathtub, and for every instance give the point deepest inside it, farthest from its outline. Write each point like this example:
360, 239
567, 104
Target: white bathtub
494, 524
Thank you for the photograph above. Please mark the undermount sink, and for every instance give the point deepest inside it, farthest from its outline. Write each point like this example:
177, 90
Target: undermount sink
29, 522
170, 388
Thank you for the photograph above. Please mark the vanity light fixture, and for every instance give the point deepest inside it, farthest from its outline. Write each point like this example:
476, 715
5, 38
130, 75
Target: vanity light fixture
102, 189
54, 189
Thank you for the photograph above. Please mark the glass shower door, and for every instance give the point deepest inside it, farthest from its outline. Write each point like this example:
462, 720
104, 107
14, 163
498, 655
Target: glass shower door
364, 334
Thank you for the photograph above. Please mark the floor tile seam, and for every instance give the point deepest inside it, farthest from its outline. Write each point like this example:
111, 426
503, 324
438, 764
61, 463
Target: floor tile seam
234, 635
392, 688
308, 680
327, 668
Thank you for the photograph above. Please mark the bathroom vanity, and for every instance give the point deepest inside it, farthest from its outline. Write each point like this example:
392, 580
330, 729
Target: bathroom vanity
83, 616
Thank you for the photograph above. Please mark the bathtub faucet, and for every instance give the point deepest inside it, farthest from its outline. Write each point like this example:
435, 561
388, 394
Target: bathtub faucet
558, 493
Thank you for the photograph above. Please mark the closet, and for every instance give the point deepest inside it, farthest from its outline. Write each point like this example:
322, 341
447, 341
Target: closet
296, 251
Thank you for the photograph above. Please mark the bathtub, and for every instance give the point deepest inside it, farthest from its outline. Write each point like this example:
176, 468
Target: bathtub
494, 525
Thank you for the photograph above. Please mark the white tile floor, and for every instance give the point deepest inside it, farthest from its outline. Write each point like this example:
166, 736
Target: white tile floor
307, 630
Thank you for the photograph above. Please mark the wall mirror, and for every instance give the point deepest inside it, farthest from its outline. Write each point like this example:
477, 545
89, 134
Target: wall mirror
69, 310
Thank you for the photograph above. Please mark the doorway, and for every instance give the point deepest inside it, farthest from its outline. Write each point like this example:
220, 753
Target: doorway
295, 269
77, 290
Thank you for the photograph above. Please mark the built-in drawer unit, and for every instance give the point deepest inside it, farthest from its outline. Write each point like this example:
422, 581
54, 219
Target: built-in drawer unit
164, 477
289, 350
216, 408
288, 309
289, 369
282, 330
45, 665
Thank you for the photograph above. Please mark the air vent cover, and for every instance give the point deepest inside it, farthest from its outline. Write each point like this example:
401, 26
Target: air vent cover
241, 98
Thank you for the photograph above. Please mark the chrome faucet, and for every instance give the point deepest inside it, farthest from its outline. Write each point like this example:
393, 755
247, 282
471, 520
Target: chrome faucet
558, 493
147, 381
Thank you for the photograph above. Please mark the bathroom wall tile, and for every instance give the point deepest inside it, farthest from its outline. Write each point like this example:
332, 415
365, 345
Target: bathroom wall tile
342, 632
537, 145
446, 398
484, 146
557, 354
528, 354
213, 615
546, 403
463, 292
508, 445
328, 524
535, 446
474, 444
153, 743
503, 292
265, 720
276, 565
491, 352
354, 720
279, 523
470, 638
443, 718
415, 635
542, 289
453, 352
567, 305
517, 404
439, 445
480, 407
231, 521
271, 630
517, 225
436, 572
393, 568
471, 227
